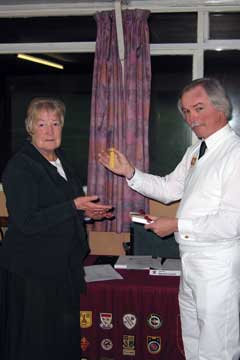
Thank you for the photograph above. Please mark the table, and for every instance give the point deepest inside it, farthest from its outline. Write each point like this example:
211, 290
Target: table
135, 318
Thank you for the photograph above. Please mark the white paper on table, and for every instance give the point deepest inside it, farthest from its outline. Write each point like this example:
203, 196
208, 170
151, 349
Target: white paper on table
101, 273
140, 262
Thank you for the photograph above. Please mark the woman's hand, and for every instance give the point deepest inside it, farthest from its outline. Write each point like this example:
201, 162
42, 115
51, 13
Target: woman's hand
99, 216
92, 209
120, 165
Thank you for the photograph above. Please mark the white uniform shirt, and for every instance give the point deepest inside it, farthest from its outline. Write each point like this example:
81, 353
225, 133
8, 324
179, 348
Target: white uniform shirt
209, 189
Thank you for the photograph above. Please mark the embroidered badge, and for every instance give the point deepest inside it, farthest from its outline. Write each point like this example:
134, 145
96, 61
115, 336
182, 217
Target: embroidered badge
129, 320
106, 344
85, 319
129, 345
106, 321
154, 321
154, 344
193, 161
84, 343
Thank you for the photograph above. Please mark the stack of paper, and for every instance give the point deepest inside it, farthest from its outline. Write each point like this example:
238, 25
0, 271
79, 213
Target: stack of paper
138, 262
171, 267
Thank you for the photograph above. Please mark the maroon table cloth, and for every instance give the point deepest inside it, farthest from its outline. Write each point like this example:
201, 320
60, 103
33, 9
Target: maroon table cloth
134, 318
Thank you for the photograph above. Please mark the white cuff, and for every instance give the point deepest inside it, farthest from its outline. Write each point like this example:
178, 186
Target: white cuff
185, 228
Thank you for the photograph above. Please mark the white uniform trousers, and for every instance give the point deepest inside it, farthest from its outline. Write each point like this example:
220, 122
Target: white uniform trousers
209, 303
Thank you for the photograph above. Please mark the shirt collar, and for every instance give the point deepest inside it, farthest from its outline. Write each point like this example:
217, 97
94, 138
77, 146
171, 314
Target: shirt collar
56, 162
218, 136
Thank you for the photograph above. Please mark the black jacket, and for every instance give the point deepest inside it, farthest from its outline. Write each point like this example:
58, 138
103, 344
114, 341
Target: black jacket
46, 235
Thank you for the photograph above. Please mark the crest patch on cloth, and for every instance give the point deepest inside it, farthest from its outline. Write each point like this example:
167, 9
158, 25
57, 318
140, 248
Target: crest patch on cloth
129, 345
107, 344
154, 344
129, 320
84, 343
106, 321
154, 321
85, 319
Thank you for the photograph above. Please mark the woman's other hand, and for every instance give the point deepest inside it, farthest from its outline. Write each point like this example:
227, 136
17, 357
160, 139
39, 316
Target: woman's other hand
115, 161
99, 216
92, 209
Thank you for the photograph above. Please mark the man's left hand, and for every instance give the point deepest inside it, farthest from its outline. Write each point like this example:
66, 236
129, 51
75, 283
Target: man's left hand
163, 225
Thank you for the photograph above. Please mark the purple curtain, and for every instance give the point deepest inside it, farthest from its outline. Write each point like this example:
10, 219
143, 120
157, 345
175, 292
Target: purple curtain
120, 112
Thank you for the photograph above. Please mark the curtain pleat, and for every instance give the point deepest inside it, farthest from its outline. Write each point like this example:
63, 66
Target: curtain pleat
120, 112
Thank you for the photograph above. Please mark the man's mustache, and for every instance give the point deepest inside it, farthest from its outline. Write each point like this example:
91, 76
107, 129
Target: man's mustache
195, 124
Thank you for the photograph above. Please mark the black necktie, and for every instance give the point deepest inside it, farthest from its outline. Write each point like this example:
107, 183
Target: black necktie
202, 149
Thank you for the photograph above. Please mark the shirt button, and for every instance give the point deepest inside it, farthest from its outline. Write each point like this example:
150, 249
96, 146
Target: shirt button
186, 236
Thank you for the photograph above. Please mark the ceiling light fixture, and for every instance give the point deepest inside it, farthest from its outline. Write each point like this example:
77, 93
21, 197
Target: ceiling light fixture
39, 61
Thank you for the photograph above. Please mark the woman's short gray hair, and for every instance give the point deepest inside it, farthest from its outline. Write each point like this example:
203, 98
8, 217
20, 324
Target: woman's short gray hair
38, 104
215, 92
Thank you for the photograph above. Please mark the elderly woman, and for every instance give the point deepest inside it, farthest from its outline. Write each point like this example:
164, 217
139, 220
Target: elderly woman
41, 257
